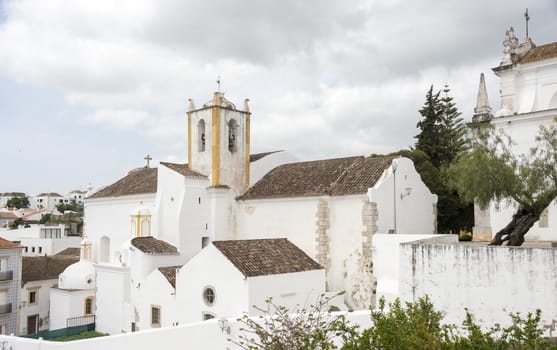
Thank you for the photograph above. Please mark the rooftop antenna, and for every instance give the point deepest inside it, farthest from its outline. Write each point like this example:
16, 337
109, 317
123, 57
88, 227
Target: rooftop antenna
218, 83
527, 19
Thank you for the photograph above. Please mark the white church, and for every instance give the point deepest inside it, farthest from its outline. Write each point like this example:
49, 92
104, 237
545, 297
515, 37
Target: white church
528, 92
180, 242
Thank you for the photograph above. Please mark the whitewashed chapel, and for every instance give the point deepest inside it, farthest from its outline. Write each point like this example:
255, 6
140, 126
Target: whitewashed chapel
146, 226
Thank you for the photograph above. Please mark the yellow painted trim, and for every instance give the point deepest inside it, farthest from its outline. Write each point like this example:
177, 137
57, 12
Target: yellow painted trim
248, 115
189, 140
92, 298
215, 141
138, 229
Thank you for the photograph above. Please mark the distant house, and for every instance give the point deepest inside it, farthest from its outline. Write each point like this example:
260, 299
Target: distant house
10, 275
6, 196
49, 200
7, 218
77, 196
39, 275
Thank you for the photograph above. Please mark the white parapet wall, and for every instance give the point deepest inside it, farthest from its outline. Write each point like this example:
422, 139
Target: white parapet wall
206, 335
386, 257
491, 281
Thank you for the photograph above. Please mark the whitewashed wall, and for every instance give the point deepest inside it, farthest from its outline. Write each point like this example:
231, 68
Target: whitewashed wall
113, 314
155, 290
489, 280
42, 306
386, 257
200, 335
289, 290
210, 268
66, 304
292, 218
415, 213
110, 217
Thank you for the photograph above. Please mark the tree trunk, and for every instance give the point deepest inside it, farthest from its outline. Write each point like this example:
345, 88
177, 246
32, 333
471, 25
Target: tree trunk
515, 230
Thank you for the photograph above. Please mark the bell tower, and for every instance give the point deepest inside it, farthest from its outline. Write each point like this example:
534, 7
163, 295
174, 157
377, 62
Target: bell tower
219, 142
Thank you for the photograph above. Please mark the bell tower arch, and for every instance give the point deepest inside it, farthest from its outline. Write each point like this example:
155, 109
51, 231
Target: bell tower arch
219, 142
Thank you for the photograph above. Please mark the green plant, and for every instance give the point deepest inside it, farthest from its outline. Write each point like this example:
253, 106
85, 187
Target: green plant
303, 328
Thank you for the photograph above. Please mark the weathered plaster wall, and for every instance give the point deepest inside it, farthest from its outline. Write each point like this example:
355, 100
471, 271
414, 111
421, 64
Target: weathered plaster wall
490, 281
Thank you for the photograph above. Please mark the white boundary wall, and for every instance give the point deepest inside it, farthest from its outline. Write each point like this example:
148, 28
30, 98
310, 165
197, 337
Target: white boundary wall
205, 335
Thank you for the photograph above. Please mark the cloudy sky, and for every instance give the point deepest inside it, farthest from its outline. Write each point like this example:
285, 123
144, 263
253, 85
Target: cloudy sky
88, 88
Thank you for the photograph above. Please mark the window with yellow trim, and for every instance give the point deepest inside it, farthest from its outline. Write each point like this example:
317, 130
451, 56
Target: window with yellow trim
89, 306
33, 296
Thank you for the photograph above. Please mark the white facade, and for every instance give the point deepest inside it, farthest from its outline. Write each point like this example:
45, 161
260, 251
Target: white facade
68, 304
35, 306
235, 293
528, 94
48, 201
39, 240
491, 281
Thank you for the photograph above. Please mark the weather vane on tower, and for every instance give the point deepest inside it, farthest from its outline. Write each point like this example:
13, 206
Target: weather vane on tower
218, 83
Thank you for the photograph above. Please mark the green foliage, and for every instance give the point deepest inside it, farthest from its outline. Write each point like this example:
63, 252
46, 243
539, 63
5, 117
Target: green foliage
415, 326
18, 202
442, 138
16, 223
304, 328
45, 218
530, 180
73, 206
408, 326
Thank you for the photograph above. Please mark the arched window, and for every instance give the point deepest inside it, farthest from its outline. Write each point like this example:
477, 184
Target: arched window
232, 136
105, 249
201, 136
146, 227
88, 307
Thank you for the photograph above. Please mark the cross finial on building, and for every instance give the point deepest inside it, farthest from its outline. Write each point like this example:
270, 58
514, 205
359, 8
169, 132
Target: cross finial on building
218, 83
527, 18
148, 158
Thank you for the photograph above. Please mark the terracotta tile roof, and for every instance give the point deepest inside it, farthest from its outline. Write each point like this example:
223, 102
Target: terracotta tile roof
259, 257
49, 194
8, 215
151, 245
255, 157
170, 273
40, 268
540, 53
70, 252
183, 169
5, 244
336, 177
138, 181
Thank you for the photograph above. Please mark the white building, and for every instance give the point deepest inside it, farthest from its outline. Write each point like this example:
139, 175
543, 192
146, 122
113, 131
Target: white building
49, 200
39, 275
6, 196
77, 196
528, 91
226, 279
161, 217
73, 298
38, 240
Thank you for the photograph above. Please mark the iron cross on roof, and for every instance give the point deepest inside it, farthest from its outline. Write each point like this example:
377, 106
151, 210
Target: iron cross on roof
148, 158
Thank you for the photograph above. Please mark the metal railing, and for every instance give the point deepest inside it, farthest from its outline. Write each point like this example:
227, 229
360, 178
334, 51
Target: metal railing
6, 308
6, 275
80, 321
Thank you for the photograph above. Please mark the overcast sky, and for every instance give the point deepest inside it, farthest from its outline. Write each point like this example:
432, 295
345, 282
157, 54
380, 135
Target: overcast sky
88, 88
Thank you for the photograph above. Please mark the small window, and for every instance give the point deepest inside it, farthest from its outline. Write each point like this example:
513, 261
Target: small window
26, 249
199, 200
89, 306
201, 136
32, 298
209, 296
232, 130
32, 249
204, 241
40, 250
155, 316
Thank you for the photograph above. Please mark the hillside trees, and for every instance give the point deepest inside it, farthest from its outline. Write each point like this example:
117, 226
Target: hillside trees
492, 171
442, 138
